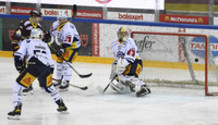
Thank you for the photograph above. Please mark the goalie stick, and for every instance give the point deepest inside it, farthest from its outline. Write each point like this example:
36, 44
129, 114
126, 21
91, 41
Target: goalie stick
80, 75
79, 87
101, 90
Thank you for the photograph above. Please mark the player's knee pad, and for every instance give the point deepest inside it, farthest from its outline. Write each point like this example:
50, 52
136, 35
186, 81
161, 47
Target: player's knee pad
17, 88
51, 89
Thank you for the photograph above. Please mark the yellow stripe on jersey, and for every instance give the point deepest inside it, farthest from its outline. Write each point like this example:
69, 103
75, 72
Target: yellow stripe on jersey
68, 55
73, 45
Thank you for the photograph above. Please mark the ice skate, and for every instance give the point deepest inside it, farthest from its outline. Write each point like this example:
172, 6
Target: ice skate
64, 86
27, 91
15, 114
56, 83
61, 106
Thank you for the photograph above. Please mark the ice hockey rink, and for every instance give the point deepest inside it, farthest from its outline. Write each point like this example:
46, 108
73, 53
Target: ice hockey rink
164, 106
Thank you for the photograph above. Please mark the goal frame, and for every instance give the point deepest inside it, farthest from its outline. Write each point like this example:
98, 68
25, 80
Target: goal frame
192, 35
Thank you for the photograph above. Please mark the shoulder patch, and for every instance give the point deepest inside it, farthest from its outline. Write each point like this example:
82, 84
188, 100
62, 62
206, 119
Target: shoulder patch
28, 41
71, 26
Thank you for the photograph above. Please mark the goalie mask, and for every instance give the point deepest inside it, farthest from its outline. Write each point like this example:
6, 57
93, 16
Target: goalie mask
36, 34
122, 34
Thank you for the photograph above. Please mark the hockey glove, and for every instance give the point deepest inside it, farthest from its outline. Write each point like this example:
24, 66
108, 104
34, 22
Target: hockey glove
47, 37
19, 64
60, 52
15, 46
121, 65
52, 69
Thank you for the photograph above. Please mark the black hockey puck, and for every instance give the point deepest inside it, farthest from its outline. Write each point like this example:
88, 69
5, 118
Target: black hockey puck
196, 60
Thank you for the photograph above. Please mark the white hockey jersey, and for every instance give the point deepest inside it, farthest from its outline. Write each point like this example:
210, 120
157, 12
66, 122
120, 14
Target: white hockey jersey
127, 50
67, 34
35, 48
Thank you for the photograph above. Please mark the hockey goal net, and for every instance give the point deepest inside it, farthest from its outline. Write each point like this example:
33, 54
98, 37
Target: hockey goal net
182, 59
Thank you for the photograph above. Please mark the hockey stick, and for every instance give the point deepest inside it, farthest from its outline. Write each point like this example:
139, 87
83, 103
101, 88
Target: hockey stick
79, 87
102, 91
80, 75
73, 16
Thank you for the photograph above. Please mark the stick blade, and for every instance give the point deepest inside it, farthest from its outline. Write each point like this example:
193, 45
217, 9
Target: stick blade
84, 88
85, 76
79, 87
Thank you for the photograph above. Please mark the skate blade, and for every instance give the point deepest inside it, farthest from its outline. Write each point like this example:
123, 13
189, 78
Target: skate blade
27, 93
16, 117
63, 112
63, 90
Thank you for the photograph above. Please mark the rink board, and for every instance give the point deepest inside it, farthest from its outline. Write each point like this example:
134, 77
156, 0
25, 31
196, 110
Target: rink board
106, 60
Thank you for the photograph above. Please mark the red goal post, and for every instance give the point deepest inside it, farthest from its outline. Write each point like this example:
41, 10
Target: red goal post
207, 93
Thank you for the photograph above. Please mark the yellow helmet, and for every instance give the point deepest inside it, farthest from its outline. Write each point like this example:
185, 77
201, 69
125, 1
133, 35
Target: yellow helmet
122, 33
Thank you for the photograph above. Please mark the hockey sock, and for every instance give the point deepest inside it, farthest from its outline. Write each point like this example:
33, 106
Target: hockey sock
67, 72
59, 71
17, 94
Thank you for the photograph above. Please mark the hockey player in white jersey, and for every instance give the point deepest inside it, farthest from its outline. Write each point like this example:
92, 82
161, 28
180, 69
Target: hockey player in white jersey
69, 40
127, 66
40, 66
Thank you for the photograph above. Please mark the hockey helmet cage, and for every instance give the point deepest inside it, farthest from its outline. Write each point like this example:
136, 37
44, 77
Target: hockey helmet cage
36, 33
121, 31
62, 16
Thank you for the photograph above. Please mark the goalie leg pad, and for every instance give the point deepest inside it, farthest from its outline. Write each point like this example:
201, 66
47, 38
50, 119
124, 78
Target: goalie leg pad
113, 70
119, 87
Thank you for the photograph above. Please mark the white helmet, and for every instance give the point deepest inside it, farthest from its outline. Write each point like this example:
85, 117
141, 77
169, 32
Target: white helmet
36, 33
62, 16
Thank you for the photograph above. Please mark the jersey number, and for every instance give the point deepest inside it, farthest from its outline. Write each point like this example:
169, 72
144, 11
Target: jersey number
131, 52
68, 39
38, 51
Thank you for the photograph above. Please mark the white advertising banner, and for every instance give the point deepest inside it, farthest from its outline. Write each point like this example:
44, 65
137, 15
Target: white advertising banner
215, 20
2, 10
54, 12
159, 51
136, 4
161, 47
131, 16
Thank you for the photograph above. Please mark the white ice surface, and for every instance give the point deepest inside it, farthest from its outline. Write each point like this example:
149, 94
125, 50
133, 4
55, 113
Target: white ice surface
165, 106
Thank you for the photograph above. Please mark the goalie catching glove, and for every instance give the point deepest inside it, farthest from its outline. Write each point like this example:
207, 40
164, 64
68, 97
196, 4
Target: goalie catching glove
121, 65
